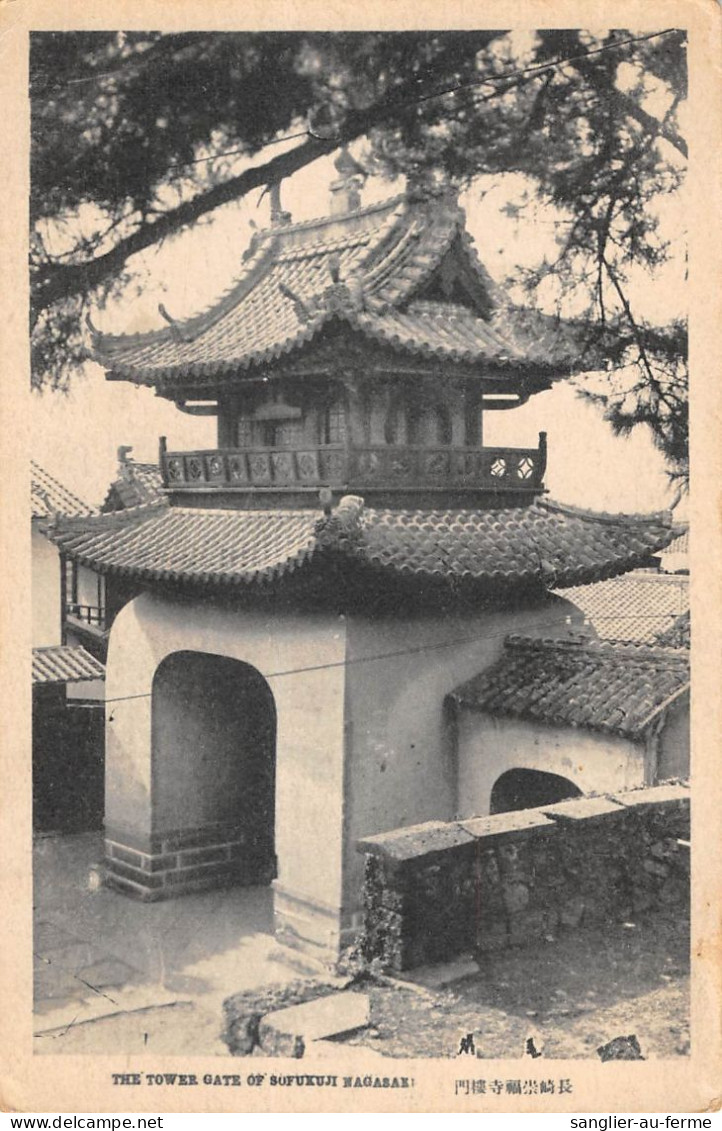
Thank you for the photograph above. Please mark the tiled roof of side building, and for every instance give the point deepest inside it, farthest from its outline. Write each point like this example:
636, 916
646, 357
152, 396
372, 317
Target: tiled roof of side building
49, 496
678, 635
493, 548
633, 608
604, 687
367, 268
61, 663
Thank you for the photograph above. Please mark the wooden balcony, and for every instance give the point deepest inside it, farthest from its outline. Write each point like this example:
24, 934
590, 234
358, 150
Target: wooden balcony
383, 468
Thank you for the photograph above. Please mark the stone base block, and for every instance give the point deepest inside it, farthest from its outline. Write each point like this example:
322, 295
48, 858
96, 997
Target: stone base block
317, 929
169, 864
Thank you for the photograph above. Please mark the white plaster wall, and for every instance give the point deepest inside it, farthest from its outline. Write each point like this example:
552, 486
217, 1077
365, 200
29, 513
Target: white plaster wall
87, 689
310, 719
674, 742
489, 746
45, 565
403, 769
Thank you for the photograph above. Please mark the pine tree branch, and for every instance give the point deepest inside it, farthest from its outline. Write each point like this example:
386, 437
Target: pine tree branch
626, 105
55, 282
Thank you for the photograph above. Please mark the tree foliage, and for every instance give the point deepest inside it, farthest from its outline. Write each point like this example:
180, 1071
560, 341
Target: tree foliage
135, 136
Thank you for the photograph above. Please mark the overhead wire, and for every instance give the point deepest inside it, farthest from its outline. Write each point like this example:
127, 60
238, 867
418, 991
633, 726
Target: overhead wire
532, 69
440, 645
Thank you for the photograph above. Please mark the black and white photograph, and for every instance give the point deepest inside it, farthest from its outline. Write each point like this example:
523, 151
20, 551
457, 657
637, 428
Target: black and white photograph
360, 558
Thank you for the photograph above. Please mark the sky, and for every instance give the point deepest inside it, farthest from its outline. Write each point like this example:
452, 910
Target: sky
76, 435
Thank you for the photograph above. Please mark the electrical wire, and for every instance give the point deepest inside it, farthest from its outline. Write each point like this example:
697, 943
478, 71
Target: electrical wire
534, 69
417, 649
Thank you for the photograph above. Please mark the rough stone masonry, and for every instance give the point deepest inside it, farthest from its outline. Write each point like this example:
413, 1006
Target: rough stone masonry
439, 889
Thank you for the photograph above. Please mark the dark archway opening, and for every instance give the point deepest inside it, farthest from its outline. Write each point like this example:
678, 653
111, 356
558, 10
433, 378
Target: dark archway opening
528, 789
214, 763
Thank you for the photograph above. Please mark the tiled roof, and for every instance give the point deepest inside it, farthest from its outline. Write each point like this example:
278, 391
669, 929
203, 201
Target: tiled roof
675, 558
678, 635
50, 497
199, 545
137, 485
367, 268
634, 608
495, 547
565, 545
610, 688
60, 663
679, 545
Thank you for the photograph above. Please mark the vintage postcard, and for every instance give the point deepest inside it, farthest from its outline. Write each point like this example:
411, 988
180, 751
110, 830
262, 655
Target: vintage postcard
361, 529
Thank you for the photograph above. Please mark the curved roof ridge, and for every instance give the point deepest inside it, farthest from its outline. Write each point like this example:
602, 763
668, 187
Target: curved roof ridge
365, 274
496, 293
202, 320
589, 647
330, 218
264, 243
434, 225
664, 516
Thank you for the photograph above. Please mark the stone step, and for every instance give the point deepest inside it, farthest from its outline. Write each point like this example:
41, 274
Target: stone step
438, 975
289, 1032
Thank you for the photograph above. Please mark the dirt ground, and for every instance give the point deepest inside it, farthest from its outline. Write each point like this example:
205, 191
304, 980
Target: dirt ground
570, 996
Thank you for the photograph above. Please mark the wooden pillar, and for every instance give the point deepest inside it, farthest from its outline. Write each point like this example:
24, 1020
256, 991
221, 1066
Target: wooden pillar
227, 412
380, 404
472, 416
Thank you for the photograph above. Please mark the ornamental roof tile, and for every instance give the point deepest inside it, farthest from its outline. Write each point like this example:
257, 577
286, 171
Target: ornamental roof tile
635, 608
604, 687
50, 497
137, 485
60, 663
366, 268
500, 547
680, 545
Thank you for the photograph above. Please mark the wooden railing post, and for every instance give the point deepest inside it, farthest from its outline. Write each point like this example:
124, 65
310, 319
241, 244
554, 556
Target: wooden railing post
542, 455
162, 448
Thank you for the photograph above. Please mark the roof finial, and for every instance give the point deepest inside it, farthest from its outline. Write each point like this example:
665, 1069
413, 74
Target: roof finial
278, 216
345, 192
95, 334
123, 453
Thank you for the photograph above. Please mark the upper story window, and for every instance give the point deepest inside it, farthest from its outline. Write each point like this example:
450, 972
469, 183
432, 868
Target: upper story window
334, 424
392, 424
244, 432
84, 594
268, 433
443, 425
283, 433
430, 425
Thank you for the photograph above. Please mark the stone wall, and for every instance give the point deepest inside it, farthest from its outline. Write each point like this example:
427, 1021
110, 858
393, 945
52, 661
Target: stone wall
439, 889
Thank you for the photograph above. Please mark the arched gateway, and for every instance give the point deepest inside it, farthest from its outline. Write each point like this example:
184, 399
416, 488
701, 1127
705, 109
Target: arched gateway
528, 789
213, 736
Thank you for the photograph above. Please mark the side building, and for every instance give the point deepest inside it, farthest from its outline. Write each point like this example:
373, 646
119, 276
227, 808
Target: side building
68, 680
